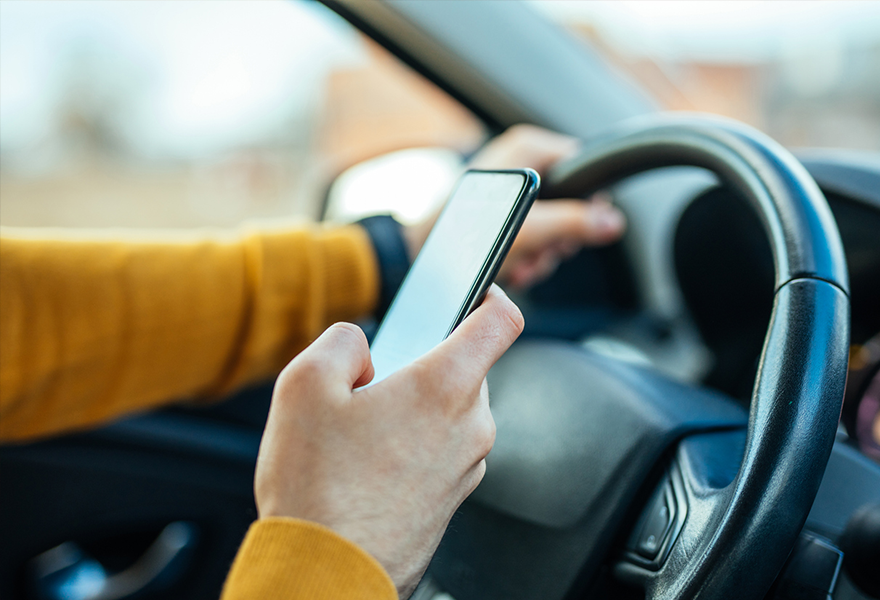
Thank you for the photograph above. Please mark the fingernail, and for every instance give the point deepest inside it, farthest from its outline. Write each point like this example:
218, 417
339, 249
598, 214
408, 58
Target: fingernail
499, 289
607, 218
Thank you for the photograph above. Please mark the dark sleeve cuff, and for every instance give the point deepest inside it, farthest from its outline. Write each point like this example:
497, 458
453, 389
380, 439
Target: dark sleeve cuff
392, 255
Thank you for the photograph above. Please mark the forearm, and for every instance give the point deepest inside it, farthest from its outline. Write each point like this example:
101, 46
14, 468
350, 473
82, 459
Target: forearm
91, 329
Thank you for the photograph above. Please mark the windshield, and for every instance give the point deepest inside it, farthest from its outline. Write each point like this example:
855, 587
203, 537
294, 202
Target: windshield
181, 114
806, 73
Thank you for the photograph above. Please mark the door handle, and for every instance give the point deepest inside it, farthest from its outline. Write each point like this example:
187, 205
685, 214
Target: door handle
67, 572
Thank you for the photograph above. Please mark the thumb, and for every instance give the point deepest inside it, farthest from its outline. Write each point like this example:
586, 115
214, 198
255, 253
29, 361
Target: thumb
480, 340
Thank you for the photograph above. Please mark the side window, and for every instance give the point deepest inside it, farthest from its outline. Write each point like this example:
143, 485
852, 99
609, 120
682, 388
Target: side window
143, 114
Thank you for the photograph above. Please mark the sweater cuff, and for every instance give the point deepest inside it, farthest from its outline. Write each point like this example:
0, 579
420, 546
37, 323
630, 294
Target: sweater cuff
283, 557
391, 254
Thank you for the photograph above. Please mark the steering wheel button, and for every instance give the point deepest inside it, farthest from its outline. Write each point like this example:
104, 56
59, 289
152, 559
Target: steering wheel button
656, 526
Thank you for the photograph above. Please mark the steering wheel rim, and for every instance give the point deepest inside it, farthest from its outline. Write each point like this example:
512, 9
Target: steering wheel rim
581, 437
749, 526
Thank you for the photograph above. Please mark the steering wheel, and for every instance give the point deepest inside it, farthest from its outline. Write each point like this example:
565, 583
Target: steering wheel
586, 446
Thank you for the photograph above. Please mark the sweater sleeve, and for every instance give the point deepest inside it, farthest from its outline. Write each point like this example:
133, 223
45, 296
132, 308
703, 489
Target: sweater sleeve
291, 558
93, 328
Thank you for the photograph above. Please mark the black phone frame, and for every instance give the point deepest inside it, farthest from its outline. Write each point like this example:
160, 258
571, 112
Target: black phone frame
503, 242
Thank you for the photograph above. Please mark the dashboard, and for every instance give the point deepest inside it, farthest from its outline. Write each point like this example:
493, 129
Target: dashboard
724, 266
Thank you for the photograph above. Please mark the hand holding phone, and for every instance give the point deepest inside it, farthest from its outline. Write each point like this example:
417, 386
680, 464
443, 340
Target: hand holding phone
457, 264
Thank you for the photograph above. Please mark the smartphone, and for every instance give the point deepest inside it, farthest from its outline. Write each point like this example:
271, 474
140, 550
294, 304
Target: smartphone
457, 264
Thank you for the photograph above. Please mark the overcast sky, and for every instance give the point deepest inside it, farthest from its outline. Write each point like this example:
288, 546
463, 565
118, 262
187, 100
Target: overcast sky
729, 30
194, 78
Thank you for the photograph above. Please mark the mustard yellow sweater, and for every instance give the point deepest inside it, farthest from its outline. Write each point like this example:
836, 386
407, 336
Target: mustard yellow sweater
94, 327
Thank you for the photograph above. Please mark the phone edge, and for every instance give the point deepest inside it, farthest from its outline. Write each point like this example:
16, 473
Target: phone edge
531, 188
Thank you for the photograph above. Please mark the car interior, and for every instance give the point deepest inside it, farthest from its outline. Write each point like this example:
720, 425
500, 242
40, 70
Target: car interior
686, 415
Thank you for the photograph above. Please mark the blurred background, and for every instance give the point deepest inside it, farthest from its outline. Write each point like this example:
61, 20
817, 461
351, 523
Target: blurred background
185, 114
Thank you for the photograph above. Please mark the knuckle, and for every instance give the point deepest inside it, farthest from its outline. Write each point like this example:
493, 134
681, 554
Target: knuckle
524, 132
349, 332
304, 370
514, 317
486, 437
286, 376
476, 475
481, 470
508, 319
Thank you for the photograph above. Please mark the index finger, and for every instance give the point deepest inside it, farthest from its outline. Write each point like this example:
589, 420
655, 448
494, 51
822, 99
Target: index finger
525, 146
340, 356
596, 221
471, 350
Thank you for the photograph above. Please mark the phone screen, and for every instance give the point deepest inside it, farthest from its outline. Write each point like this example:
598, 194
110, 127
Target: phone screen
446, 270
